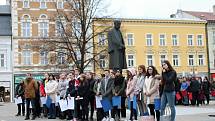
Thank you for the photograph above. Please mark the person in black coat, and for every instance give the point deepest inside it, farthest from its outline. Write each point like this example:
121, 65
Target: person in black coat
206, 89
19, 92
82, 97
71, 93
91, 81
195, 88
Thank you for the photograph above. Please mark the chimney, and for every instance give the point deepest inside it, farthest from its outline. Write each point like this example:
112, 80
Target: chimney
213, 9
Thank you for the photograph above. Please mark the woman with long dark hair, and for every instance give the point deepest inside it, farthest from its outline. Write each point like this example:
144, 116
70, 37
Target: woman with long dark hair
169, 76
151, 90
51, 91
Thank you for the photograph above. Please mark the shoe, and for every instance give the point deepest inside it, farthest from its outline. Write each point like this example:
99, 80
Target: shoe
33, 118
18, 114
23, 114
27, 118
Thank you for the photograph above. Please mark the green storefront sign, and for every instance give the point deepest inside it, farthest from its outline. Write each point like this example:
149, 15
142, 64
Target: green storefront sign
20, 77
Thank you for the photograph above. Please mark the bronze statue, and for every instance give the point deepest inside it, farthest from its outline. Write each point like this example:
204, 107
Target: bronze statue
116, 48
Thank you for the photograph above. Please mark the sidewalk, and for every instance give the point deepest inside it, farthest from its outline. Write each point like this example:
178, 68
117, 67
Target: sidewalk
184, 113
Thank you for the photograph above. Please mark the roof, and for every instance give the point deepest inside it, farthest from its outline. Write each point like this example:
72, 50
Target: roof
5, 9
5, 25
152, 20
202, 15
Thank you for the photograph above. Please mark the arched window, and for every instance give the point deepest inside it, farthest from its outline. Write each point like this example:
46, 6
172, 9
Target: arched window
43, 26
26, 26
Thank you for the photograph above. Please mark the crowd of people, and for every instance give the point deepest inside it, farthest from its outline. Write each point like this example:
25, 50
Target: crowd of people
142, 86
194, 91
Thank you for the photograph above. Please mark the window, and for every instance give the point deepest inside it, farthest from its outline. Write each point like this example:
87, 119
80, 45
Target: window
42, 4
44, 58
214, 37
130, 60
190, 40
162, 40
130, 39
101, 39
199, 40
43, 26
149, 60
26, 29
2, 60
61, 58
76, 5
60, 5
174, 40
201, 60
191, 60
26, 4
77, 28
149, 39
162, 58
26, 57
175, 60
59, 28
102, 61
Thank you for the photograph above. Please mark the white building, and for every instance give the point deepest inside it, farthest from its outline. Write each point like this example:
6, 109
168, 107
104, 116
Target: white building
210, 17
5, 48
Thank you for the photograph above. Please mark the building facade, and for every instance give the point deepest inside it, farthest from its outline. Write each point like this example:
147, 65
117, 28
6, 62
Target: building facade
150, 41
5, 47
210, 18
33, 22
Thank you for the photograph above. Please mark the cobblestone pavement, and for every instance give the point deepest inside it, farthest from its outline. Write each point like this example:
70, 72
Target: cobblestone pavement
184, 113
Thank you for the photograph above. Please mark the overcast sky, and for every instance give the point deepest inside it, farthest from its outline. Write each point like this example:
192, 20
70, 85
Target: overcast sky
154, 8
158, 8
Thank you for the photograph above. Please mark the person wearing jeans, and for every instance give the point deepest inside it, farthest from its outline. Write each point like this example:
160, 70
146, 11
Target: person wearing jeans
169, 76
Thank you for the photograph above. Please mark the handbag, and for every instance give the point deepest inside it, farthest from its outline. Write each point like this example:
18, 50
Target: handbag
213, 93
178, 96
190, 95
167, 114
157, 102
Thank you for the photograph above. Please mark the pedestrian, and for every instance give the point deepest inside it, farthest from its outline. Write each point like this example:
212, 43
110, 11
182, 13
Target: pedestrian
206, 89
71, 93
82, 97
62, 87
90, 79
151, 90
195, 90
37, 101
43, 95
51, 91
139, 89
30, 87
19, 92
97, 89
106, 87
44, 81
118, 90
169, 76
130, 93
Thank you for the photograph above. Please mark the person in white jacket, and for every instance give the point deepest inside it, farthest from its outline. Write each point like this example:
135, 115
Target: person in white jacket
151, 90
51, 91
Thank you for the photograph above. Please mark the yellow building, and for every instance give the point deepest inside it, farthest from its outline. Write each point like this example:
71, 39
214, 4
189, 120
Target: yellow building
150, 41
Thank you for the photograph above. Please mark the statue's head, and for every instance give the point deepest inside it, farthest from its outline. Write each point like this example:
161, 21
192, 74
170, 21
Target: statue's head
117, 24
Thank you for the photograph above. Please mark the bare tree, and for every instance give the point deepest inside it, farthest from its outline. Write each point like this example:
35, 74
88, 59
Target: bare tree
74, 33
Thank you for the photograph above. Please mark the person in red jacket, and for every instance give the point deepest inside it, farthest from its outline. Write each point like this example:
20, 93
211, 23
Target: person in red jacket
43, 95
